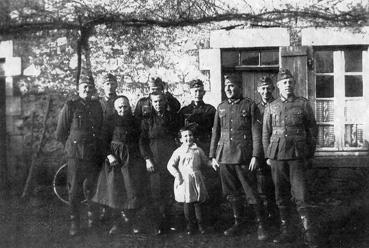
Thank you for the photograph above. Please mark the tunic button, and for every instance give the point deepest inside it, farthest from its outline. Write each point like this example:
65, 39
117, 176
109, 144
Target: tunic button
231, 129
231, 138
93, 135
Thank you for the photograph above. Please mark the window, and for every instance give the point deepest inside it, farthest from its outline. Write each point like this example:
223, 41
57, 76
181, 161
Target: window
250, 58
340, 103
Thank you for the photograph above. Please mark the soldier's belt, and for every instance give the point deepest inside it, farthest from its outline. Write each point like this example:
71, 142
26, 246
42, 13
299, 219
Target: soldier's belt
287, 131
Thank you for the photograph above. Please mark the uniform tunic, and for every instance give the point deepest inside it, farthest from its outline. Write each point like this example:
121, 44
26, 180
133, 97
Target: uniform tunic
289, 138
199, 117
116, 187
236, 135
79, 127
236, 138
187, 161
157, 142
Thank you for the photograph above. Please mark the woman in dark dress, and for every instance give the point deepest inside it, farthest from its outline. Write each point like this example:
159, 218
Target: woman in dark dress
116, 187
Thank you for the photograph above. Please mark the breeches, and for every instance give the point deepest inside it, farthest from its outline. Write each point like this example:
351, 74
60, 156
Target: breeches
82, 177
234, 180
290, 180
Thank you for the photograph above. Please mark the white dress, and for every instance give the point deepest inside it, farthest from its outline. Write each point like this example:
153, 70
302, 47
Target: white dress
187, 161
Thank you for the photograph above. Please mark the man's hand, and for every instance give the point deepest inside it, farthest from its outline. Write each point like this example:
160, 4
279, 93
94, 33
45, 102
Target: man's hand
253, 164
214, 164
268, 162
149, 165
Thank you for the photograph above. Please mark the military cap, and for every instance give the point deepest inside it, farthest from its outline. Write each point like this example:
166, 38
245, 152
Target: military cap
283, 74
196, 83
87, 80
109, 77
156, 82
265, 81
234, 78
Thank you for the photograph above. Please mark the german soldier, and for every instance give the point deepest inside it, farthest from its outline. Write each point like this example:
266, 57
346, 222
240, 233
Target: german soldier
235, 148
265, 89
78, 128
110, 84
157, 143
198, 116
289, 139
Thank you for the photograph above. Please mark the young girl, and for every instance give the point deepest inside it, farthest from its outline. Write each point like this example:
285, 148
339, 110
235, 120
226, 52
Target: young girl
115, 186
189, 186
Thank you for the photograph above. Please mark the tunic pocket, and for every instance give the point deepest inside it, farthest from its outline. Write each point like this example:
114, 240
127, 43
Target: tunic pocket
273, 148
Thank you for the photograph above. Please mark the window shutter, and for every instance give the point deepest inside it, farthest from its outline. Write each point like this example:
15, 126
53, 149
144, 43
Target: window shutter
295, 59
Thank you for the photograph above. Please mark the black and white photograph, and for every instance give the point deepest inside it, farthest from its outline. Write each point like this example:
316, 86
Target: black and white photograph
184, 123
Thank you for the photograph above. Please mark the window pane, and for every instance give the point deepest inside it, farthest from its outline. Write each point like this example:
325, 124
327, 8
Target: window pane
325, 136
324, 86
269, 58
354, 135
353, 86
229, 58
249, 58
324, 61
324, 111
355, 110
353, 61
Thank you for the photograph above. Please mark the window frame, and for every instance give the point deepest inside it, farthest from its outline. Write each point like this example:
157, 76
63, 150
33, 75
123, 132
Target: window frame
339, 99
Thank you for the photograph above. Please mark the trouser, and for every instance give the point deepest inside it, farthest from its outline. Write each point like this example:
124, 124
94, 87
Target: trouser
290, 180
266, 188
234, 180
81, 178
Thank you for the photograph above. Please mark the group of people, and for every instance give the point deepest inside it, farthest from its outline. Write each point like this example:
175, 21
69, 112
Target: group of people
117, 157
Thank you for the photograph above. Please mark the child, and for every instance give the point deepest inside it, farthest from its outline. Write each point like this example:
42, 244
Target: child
189, 186
115, 186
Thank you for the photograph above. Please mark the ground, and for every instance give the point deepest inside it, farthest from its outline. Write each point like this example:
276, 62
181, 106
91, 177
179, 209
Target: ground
42, 222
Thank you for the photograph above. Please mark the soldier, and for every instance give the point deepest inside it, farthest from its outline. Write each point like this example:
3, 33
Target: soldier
289, 139
265, 89
198, 116
78, 128
144, 107
110, 84
157, 143
235, 148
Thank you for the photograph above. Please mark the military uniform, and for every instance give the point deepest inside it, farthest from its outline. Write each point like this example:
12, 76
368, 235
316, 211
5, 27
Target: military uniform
199, 118
289, 138
107, 105
264, 176
157, 142
78, 128
236, 138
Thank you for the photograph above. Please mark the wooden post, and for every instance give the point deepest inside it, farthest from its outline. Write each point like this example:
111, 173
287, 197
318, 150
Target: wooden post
4, 180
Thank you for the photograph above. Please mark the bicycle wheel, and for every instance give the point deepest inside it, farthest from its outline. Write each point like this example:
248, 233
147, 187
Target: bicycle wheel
60, 184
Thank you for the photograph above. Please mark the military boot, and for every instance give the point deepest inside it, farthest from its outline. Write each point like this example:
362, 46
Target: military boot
310, 239
74, 225
235, 228
285, 235
262, 234
90, 219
